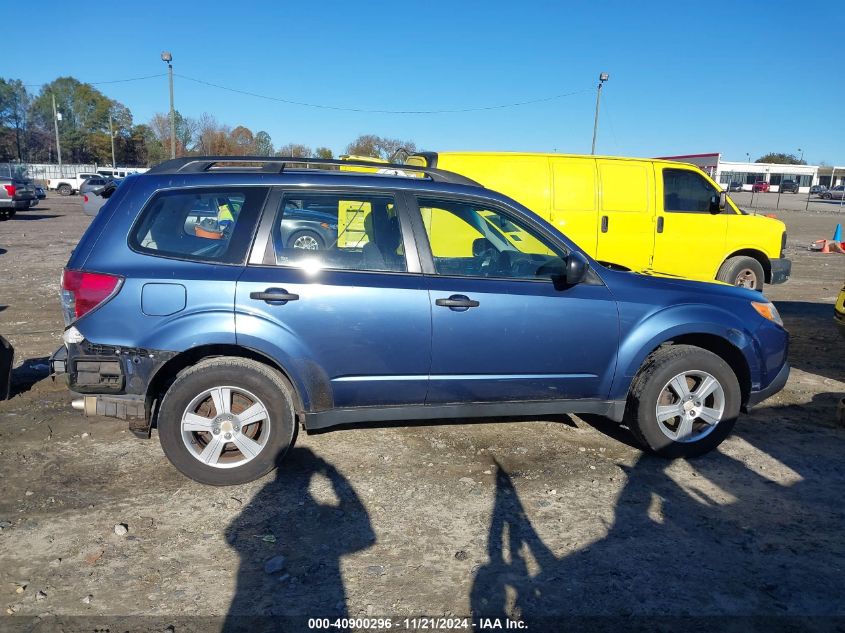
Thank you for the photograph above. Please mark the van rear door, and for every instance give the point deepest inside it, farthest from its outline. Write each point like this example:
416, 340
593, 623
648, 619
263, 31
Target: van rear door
626, 213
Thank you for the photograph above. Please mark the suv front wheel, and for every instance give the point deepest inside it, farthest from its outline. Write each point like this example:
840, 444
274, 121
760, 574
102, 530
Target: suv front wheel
227, 421
684, 401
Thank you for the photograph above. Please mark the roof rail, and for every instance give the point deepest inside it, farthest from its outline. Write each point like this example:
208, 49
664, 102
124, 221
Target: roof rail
277, 164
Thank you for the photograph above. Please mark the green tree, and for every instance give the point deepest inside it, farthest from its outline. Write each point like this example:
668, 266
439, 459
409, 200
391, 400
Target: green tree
781, 159
14, 109
263, 144
85, 118
323, 152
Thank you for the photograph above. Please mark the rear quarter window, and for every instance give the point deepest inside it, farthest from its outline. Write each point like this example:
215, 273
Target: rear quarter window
209, 224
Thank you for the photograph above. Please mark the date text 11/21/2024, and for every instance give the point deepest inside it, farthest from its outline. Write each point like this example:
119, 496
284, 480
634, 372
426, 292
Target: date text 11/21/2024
417, 624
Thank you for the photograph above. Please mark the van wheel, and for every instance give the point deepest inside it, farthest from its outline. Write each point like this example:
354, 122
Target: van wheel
65, 190
745, 272
684, 402
227, 421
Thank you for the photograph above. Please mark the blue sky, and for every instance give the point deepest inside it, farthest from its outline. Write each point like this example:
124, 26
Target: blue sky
685, 77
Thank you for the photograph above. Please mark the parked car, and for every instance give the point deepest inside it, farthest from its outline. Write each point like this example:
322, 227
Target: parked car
93, 183
16, 194
623, 223
230, 339
309, 229
69, 184
788, 186
39, 195
94, 199
112, 173
735, 186
818, 189
760, 186
835, 193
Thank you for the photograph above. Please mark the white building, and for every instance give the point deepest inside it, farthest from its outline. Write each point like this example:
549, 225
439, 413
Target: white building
727, 171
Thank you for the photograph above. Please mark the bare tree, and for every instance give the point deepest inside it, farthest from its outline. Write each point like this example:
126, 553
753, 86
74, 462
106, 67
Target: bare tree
294, 150
377, 146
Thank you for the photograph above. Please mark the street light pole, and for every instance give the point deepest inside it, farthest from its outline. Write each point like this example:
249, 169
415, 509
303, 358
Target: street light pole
111, 136
802, 154
602, 78
167, 58
56, 116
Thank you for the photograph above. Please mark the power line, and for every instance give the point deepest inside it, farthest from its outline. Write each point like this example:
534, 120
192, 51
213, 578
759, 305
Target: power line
376, 111
112, 81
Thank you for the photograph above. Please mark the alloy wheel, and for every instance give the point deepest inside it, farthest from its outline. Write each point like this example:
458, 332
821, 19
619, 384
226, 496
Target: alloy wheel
690, 406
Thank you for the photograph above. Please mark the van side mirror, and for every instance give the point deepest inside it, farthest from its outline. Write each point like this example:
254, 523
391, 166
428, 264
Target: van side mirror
718, 202
576, 268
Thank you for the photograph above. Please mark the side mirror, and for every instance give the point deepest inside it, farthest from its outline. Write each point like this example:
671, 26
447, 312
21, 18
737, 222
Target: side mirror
718, 202
576, 268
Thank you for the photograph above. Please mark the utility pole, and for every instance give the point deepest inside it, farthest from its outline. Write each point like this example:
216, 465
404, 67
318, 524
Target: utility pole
111, 135
56, 117
602, 78
167, 58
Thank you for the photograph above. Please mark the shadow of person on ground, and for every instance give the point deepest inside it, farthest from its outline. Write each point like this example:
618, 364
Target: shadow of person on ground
716, 539
310, 515
29, 372
814, 337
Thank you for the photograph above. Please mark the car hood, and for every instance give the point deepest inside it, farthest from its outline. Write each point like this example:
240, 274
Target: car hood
649, 281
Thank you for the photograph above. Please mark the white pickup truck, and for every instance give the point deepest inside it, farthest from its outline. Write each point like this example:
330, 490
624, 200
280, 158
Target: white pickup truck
70, 184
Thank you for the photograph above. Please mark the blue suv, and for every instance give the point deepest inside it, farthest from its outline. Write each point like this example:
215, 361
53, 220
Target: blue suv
189, 307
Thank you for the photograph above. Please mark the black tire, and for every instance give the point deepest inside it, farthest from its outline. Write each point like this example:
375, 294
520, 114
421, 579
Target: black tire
307, 235
4, 215
266, 384
11, 213
742, 271
648, 387
826, 196
65, 190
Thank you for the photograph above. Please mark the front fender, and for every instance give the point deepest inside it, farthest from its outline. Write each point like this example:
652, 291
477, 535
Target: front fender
646, 334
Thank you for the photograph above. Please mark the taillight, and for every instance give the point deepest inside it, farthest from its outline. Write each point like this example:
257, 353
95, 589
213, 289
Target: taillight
85, 198
82, 292
10, 189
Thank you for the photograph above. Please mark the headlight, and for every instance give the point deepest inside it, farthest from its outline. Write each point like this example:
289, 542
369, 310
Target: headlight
768, 311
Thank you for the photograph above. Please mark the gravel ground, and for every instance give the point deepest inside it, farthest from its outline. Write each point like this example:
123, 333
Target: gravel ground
542, 521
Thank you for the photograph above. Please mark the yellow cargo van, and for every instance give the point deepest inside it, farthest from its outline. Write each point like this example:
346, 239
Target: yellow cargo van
641, 214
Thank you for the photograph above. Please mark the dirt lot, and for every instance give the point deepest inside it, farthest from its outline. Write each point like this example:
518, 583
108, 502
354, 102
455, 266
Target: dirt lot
542, 521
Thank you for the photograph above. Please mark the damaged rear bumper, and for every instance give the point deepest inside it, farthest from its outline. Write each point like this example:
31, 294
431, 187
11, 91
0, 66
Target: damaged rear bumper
110, 381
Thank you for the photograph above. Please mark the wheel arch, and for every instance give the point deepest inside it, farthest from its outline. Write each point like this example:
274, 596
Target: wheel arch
170, 370
718, 345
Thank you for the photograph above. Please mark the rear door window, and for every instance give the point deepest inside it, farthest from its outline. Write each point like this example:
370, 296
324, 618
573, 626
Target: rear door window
213, 224
345, 231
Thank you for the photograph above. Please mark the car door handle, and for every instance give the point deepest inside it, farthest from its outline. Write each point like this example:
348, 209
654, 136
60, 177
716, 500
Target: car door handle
274, 295
660, 224
604, 223
457, 302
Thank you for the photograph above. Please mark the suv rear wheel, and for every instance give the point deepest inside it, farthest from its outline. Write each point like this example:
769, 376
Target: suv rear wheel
227, 421
684, 401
